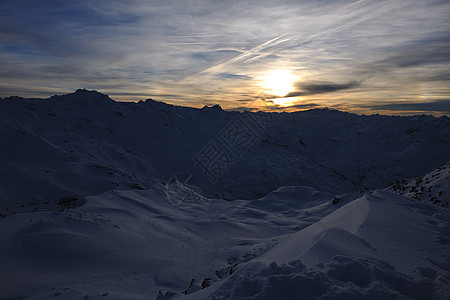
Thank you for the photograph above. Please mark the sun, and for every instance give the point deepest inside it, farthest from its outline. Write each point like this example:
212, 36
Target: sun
283, 101
279, 82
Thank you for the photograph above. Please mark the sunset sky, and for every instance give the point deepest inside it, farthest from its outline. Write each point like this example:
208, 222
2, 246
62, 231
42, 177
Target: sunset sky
387, 57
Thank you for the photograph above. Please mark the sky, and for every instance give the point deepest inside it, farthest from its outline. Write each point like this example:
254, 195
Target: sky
387, 57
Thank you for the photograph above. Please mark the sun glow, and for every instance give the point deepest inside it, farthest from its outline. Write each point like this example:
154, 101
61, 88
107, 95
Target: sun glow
283, 101
280, 83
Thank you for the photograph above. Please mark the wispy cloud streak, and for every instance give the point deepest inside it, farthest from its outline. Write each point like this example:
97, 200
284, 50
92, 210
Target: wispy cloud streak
344, 53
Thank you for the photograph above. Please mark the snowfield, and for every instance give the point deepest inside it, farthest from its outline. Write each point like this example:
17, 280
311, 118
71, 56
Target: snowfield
108, 200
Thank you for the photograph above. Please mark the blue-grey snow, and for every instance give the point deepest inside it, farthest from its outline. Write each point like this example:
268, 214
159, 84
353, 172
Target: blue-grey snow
120, 200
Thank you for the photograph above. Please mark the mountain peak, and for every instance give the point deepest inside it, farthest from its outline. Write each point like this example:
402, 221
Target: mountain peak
84, 96
85, 91
215, 107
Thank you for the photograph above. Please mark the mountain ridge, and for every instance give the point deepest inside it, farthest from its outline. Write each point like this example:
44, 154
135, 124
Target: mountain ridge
82, 92
126, 144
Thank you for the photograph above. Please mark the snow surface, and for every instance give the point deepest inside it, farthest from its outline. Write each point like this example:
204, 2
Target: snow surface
431, 186
103, 200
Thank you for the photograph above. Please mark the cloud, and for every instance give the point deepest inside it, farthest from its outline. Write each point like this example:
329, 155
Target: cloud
214, 56
274, 108
438, 76
234, 76
320, 88
434, 50
243, 109
305, 105
217, 51
300, 106
432, 106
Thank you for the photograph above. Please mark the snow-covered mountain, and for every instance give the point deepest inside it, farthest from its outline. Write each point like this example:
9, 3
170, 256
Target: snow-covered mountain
132, 201
432, 186
84, 143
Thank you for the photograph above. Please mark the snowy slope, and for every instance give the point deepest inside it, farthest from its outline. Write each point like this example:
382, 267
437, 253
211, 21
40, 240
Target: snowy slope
136, 242
429, 187
378, 246
293, 242
103, 200
84, 143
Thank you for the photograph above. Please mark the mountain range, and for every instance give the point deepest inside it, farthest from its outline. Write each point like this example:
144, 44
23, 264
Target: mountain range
142, 200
